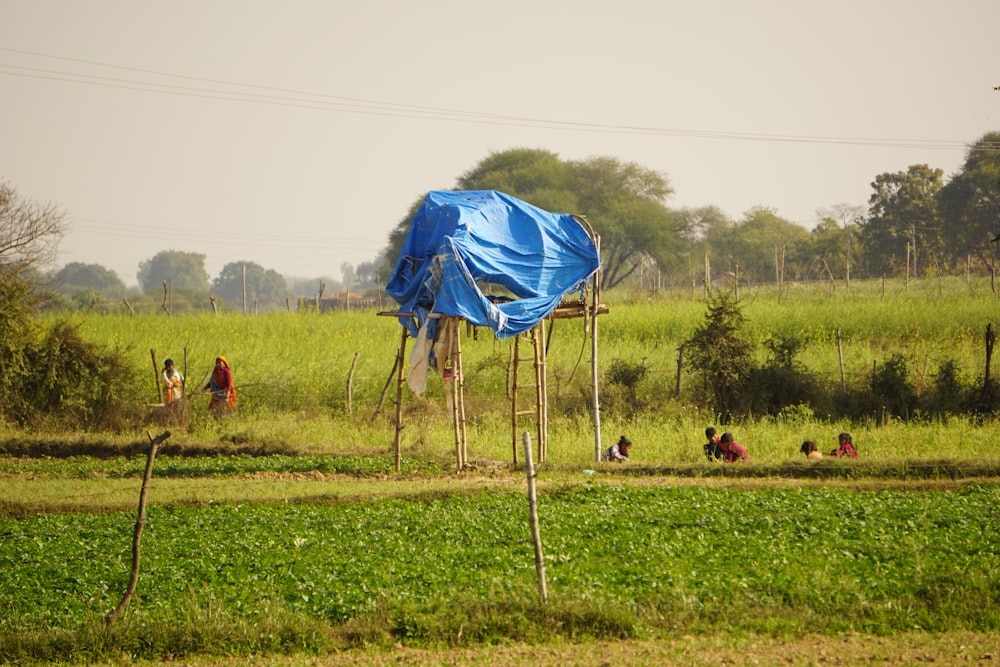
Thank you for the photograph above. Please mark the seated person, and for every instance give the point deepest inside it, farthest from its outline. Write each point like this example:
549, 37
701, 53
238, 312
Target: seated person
619, 451
732, 450
711, 448
845, 446
810, 450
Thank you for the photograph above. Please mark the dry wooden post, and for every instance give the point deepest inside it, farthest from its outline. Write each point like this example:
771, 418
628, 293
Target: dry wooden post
536, 535
680, 369
385, 389
594, 373
156, 376
166, 294
215, 307
991, 339
131, 311
458, 377
736, 283
840, 355
350, 382
400, 362
140, 522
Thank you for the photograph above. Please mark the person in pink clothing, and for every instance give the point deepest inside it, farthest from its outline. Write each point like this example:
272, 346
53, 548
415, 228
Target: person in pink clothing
845, 446
732, 450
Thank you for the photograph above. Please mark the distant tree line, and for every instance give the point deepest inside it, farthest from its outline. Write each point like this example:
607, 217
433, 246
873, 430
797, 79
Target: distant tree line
915, 223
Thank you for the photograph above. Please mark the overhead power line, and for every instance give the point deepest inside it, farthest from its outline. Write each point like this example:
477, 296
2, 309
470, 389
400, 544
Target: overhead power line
219, 89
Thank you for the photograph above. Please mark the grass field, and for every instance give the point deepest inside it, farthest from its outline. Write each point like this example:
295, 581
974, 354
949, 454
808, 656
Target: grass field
284, 534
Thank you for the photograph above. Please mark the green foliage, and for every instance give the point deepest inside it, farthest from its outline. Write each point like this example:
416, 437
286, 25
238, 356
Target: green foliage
263, 286
457, 570
71, 383
722, 354
902, 209
77, 276
970, 204
621, 388
181, 270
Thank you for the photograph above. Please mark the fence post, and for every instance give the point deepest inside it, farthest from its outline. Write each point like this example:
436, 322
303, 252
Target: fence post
536, 535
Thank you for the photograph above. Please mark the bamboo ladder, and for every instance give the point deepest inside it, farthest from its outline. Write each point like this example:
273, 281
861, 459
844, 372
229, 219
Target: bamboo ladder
538, 407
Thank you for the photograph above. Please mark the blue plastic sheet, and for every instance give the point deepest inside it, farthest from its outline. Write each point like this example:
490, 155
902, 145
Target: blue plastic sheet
461, 240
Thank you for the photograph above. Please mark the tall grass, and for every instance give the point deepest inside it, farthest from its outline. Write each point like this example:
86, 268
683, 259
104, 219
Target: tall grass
293, 370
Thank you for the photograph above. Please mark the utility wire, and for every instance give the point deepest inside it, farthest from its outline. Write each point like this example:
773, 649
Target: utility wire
270, 95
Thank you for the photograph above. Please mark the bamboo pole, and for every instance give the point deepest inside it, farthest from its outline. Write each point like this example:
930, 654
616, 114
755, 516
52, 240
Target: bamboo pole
536, 535
400, 361
539, 406
594, 376
513, 396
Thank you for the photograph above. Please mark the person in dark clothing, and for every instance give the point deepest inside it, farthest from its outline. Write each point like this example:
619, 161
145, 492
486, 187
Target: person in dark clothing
711, 448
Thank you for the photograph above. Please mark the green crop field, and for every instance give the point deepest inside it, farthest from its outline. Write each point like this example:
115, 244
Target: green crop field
285, 529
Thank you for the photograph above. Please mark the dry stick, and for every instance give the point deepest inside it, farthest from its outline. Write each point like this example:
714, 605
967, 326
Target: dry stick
840, 355
156, 376
680, 370
536, 535
131, 311
140, 522
350, 383
399, 399
385, 389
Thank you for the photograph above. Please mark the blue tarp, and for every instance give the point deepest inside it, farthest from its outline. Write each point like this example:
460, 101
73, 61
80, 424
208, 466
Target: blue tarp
461, 239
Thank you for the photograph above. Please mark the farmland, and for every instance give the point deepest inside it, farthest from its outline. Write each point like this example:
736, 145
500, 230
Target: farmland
286, 530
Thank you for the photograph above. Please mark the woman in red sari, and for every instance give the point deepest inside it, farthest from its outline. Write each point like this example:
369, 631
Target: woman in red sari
222, 389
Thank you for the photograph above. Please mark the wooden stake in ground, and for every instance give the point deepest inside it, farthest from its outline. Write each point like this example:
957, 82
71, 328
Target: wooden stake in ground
139, 523
536, 535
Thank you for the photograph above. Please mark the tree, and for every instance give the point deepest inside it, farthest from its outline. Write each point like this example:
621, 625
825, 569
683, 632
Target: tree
29, 232
183, 270
624, 202
77, 275
722, 354
347, 275
970, 204
265, 286
903, 215
763, 244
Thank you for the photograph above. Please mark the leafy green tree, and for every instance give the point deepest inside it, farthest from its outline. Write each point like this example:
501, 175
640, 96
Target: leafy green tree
824, 253
80, 276
183, 270
970, 204
624, 202
762, 244
265, 286
902, 210
722, 354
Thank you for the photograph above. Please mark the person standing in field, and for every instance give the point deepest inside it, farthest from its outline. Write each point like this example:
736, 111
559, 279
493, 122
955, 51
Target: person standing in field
173, 383
845, 446
732, 450
810, 450
220, 384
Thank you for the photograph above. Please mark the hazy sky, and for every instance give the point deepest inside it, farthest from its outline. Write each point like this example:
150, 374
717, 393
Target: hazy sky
296, 134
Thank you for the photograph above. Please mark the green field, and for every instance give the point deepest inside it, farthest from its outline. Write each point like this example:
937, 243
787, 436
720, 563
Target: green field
286, 530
